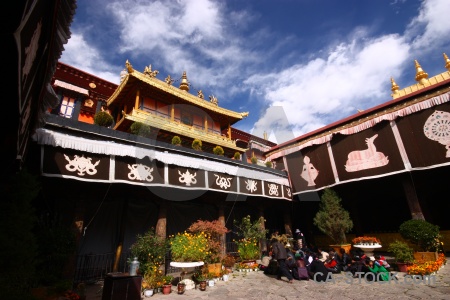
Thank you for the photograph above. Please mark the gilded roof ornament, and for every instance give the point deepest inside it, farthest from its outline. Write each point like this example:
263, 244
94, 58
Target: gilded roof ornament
168, 80
129, 67
214, 100
184, 85
244, 114
394, 87
148, 71
421, 75
447, 62
200, 94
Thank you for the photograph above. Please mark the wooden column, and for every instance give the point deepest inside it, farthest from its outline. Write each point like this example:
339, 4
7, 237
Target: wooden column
222, 221
161, 224
136, 104
411, 197
172, 112
262, 242
121, 236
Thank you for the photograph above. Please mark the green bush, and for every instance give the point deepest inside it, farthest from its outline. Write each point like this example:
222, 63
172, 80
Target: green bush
150, 249
237, 155
197, 144
218, 150
421, 233
102, 118
269, 164
254, 160
141, 129
332, 219
176, 140
401, 251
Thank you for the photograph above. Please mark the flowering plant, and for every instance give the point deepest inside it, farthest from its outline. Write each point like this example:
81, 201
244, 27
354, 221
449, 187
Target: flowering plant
187, 247
248, 248
152, 279
365, 240
427, 268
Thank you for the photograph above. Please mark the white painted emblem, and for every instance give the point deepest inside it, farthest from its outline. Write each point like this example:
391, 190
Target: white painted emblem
273, 189
288, 190
187, 178
223, 182
140, 172
251, 185
309, 172
81, 164
367, 158
437, 128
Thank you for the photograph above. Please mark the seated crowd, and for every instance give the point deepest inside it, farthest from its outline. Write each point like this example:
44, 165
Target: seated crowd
316, 264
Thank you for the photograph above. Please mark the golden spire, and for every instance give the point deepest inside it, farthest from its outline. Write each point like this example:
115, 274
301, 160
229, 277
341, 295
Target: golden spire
129, 67
394, 87
184, 85
421, 75
447, 62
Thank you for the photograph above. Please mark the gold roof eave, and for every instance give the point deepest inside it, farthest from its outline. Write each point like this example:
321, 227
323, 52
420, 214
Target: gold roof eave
179, 128
154, 82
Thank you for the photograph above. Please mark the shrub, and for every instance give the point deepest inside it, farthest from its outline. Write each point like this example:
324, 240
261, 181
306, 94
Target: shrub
254, 160
332, 219
103, 118
176, 140
141, 129
150, 249
421, 233
401, 251
189, 247
197, 144
237, 155
218, 150
269, 164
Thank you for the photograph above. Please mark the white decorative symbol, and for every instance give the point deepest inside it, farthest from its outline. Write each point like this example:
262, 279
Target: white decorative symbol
273, 189
437, 128
187, 178
288, 190
140, 172
309, 172
81, 164
251, 185
223, 182
366, 159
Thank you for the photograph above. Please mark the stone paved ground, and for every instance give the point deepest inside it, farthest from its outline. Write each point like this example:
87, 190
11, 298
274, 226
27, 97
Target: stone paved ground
256, 285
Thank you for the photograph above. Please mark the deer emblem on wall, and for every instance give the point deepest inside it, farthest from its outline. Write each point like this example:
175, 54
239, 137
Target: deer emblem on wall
366, 159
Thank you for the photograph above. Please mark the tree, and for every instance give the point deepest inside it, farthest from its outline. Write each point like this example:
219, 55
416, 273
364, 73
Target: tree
332, 219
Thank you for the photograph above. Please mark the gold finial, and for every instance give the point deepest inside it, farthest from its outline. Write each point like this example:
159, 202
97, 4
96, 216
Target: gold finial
421, 75
214, 100
148, 71
169, 80
265, 135
394, 87
447, 62
184, 85
200, 94
129, 67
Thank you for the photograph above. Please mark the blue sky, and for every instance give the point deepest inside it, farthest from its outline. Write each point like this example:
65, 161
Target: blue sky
294, 65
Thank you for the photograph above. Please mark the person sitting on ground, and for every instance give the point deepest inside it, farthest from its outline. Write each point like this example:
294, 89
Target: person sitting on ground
332, 262
280, 254
345, 261
323, 255
317, 270
265, 260
381, 273
300, 272
381, 261
308, 258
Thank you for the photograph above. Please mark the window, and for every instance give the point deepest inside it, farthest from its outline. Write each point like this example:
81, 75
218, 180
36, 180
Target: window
67, 106
186, 118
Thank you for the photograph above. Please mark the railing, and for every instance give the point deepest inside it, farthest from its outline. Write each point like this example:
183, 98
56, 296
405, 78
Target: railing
91, 268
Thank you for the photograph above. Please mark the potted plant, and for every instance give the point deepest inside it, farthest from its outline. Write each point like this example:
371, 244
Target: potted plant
254, 160
218, 150
424, 236
215, 249
269, 164
333, 220
103, 118
251, 233
140, 129
189, 247
167, 284
197, 144
237, 155
150, 250
176, 140
403, 254
366, 240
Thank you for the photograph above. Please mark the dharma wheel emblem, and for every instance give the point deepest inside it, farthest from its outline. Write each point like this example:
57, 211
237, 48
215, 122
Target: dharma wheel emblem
81, 164
437, 128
